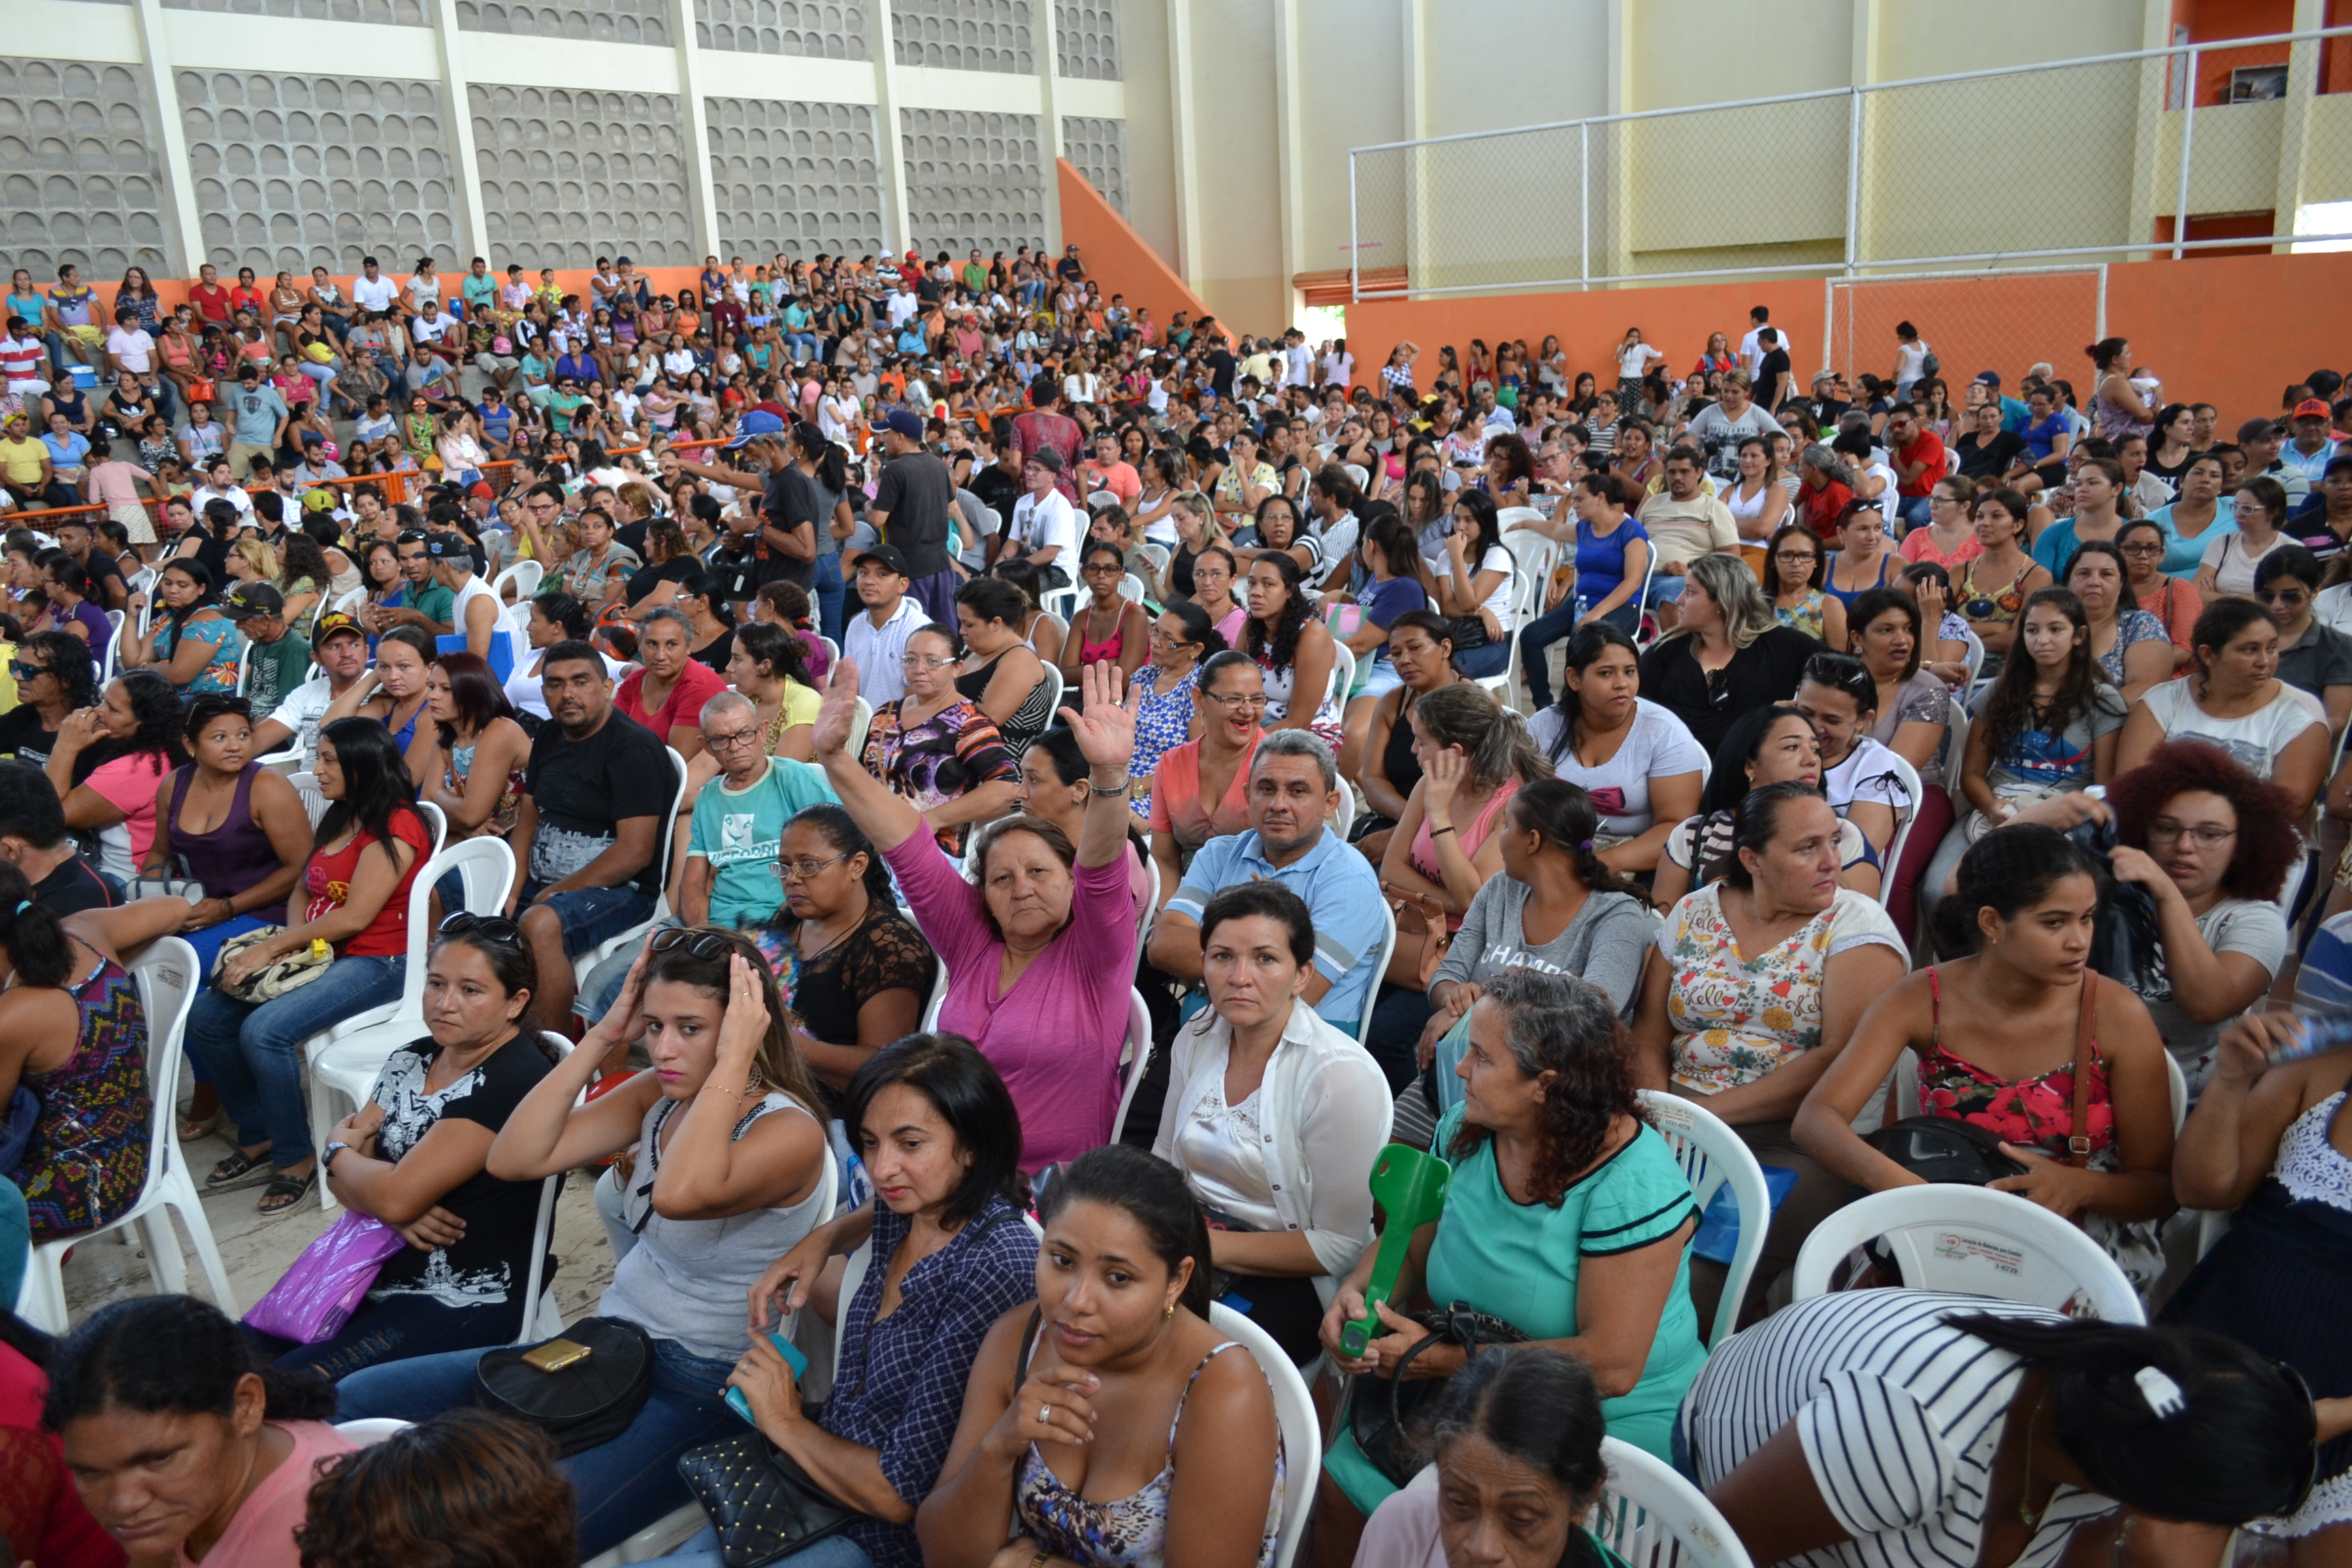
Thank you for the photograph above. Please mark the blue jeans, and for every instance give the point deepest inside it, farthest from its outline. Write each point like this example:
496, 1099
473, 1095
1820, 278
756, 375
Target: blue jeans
624, 1485
393, 1329
253, 1053
604, 982
831, 594
1486, 660
591, 915
1538, 635
703, 1551
804, 346
1912, 510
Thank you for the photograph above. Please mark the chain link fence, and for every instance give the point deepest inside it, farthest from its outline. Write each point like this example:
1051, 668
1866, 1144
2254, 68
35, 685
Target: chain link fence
2006, 323
1978, 169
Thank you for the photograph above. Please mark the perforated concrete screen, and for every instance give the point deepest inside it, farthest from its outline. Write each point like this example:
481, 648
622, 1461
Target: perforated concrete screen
603, 21
390, 12
833, 30
1097, 149
78, 177
296, 172
794, 176
1085, 39
964, 35
569, 175
973, 179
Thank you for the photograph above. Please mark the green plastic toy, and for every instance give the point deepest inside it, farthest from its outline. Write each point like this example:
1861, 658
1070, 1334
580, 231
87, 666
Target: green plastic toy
1410, 1187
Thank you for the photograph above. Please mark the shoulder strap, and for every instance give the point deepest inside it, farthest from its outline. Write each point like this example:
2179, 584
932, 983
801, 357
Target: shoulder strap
2078, 1141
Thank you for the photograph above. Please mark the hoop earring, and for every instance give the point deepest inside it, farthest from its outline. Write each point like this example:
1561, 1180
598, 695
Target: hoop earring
1168, 1312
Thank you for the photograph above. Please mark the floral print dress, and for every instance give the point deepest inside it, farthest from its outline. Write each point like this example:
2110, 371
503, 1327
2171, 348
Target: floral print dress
935, 760
1163, 720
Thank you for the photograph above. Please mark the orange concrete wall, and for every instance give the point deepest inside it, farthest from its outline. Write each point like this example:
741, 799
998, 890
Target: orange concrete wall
1116, 257
2230, 331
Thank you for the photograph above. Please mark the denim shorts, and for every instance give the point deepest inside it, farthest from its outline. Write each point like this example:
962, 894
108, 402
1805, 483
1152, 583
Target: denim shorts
592, 915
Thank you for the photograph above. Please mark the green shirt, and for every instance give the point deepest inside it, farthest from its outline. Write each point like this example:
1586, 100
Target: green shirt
433, 601
559, 411
740, 832
481, 293
275, 669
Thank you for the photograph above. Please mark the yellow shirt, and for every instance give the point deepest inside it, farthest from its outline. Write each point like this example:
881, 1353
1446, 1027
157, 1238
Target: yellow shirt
22, 461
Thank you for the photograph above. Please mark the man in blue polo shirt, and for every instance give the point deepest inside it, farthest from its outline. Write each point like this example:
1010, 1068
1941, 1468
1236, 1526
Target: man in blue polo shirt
1292, 786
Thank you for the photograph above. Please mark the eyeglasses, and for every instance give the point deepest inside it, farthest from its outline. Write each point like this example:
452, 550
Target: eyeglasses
923, 661
1240, 700
2156, 549
489, 928
729, 741
2168, 832
2286, 598
1798, 556
698, 944
801, 870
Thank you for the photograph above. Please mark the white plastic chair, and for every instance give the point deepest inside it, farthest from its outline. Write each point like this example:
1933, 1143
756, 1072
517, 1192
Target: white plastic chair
167, 975
1907, 777
371, 1430
1294, 1412
1513, 517
306, 784
859, 725
1976, 664
1653, 1518
1133, 1057
637, 934
244, 667
1343, 673
1712, 1156
526, 576
1378, 959
1130, 588
1062, 603
1974, 1241
1150, 910
1342, 817
1098, 500
105, 659
1061, 691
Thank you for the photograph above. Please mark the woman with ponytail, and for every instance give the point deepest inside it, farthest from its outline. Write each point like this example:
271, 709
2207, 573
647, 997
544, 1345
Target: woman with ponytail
73, 1035
1767, 972
1556, 907
183, 1448
1905, 1427
1637, 761
1999, 1031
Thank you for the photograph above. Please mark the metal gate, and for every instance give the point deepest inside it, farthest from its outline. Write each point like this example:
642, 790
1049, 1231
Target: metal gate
2006, 322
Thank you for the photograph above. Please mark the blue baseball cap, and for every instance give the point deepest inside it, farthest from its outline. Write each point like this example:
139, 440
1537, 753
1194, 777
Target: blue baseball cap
754, 424
906, 422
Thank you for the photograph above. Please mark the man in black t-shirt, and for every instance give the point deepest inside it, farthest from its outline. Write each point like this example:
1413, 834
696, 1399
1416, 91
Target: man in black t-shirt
33, 839
1070, 269
910, 512
597, 789
1217, 353
1774, 381
106, 580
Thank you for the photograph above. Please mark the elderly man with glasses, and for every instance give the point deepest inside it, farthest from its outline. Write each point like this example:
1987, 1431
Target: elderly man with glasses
733, 877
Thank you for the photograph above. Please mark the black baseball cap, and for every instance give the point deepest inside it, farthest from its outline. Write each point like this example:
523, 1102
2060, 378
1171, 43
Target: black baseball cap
248, 600
334, 624
447, 546
887, 554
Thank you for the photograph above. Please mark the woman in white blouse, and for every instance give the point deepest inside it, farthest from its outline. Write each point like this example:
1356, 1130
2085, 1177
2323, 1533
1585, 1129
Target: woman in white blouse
2231, 697
1274, 1117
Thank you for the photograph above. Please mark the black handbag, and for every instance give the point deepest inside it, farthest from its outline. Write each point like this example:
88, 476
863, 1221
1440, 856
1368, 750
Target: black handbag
589, 1402
760, 1500
1466, 632
1944, 1149
1380, 1409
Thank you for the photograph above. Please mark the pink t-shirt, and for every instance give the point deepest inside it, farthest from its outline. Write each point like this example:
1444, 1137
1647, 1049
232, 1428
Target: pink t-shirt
1055, 1035
129, 783
696, 685
261, 1535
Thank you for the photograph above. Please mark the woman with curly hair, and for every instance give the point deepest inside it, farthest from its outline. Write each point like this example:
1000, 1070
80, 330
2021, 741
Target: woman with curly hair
463, 1488
1566, 1217
1293, 649
2211, 844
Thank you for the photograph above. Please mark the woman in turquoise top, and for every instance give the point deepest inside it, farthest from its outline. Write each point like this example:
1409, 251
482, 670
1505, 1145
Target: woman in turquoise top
191, 644
2202, 515
1567, 1217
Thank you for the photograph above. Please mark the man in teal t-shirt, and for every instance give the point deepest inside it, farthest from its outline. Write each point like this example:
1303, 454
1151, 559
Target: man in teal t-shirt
738, 819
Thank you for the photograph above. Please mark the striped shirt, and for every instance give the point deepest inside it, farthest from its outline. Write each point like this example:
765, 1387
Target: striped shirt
1899, 1416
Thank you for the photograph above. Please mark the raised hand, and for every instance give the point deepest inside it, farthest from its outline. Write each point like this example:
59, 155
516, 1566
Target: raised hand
836, 716
745, 1024
1106, 730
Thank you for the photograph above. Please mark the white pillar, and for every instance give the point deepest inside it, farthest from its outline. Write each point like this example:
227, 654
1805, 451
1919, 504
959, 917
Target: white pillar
1179, 115
1290, 177
889, 145
468, 176
701, 192
2294, 125
171, 151
1046, 47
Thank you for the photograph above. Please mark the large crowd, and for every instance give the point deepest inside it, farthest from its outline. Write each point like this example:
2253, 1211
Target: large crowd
988, 827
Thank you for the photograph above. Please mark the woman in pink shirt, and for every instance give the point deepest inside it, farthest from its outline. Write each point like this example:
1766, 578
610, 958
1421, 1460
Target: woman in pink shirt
181, 1451
1040, 955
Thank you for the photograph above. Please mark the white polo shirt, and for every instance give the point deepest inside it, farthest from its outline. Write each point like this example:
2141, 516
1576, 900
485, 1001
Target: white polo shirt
878, 650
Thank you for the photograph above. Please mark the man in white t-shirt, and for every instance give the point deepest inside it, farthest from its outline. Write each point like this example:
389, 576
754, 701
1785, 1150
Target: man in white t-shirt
372, 290
876, 637
341, 651
1298, 360
1044, 525
1751, 349
129, 348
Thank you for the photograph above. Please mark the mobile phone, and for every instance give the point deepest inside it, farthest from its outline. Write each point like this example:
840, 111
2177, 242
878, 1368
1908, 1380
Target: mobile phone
556, 1354
792, 1358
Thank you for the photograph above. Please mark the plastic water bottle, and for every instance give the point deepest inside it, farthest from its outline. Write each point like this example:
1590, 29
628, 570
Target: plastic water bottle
2316, 1038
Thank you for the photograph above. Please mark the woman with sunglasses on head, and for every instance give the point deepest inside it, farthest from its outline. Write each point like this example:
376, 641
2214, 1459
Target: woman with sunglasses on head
352, 897
1794, 562
1182, 640
2233, 699
229, 824
1839, 695
731, 1153
1773, 744
415, 1157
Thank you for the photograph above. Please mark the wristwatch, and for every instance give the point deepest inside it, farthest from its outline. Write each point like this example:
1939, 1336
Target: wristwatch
327, 1158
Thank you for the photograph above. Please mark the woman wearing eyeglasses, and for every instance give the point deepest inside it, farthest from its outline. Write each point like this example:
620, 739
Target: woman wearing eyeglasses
729, 1156
2171, 600
935, 747
1105, 625
1794, 564
1200, 791
414, 1156
1161, 694
2229, 561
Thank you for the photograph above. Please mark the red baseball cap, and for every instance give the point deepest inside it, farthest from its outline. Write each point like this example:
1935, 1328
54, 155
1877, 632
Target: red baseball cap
2311, 409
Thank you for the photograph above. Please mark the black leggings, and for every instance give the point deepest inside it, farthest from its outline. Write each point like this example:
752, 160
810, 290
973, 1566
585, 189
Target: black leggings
1287, 1307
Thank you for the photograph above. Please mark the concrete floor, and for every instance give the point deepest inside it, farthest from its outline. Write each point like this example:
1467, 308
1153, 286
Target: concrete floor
257, 1249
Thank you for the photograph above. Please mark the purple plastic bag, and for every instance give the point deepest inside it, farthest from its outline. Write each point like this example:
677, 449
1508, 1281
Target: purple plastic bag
317, 1296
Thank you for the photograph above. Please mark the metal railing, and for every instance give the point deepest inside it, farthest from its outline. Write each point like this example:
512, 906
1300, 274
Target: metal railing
1879, 176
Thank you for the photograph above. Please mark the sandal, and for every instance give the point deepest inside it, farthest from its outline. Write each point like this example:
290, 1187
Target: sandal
193, 1128
235, 1171
283, 1192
